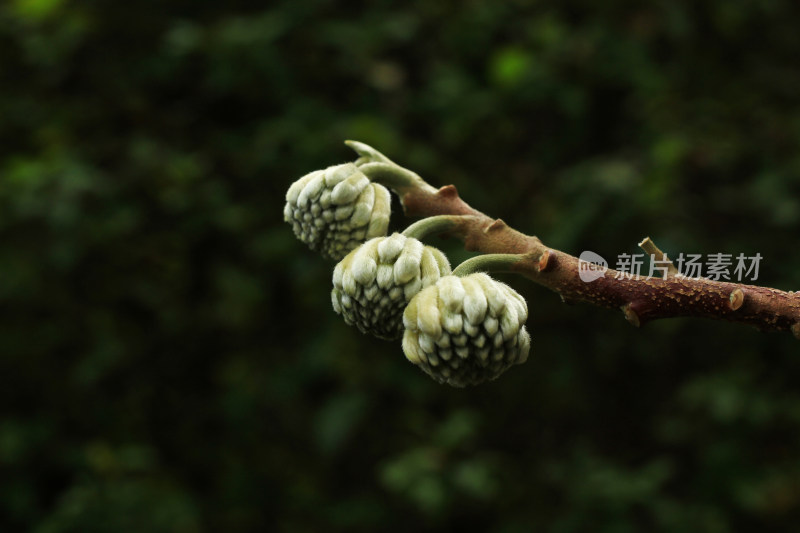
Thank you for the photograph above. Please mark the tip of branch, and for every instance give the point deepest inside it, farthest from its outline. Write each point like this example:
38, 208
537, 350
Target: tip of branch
736, 299
630, 315
657, 255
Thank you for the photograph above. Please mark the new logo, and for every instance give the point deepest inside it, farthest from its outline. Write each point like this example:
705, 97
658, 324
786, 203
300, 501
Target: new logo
591, 266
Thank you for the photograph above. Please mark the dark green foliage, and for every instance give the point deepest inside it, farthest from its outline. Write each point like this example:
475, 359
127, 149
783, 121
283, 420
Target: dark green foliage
169, 360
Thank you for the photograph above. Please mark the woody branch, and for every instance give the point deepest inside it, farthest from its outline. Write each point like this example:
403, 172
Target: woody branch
640, 299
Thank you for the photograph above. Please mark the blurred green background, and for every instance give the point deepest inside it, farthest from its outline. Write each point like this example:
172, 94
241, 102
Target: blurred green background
169, 360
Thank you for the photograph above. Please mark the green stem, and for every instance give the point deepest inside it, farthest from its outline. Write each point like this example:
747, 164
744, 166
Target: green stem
431, 226
383, 170
488, 263
391, 175
368, 153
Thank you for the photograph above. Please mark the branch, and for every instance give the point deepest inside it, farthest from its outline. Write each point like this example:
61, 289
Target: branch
640, 299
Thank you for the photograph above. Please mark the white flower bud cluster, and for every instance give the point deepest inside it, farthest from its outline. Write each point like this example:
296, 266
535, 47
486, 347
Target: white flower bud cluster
464, 331
336, 209
374, 283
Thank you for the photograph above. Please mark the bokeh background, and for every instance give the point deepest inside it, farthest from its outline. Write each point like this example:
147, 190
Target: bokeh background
169, 360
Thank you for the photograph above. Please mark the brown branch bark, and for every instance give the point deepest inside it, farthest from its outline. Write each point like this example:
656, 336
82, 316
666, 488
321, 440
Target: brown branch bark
641, 299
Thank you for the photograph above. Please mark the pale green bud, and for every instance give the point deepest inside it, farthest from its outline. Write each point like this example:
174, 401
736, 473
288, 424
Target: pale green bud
374, 283
466, 330
336, 209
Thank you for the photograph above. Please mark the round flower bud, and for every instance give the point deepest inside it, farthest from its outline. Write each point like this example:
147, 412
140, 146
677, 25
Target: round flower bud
466, 330
374, 283
336, 209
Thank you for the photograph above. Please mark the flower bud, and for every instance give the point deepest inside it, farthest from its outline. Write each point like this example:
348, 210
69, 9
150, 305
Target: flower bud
374, 283
336, 209
466, 330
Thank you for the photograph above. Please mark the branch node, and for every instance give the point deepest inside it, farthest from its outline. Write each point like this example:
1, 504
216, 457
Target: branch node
545, 262
736, 299
498, 224
447, 191
630, 315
